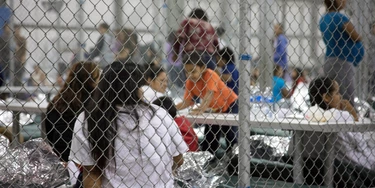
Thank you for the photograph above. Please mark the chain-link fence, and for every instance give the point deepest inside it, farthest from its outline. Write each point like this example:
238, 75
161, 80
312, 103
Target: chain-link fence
246, 93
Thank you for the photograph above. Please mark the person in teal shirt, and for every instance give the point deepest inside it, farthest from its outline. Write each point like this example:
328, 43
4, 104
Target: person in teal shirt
344, 49
279, 89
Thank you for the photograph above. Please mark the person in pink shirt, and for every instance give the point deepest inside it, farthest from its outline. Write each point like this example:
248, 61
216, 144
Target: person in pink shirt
196, 34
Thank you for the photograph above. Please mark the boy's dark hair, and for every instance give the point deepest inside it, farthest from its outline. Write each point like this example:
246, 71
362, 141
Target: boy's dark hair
227, 54
198, 13
167, 104
104, 25
318, 87
194, 58
332, 4
153, 71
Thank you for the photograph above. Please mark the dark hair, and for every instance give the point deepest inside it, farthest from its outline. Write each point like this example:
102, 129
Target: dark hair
299, 72
104, 25
332, 5
318, 87
220, 31
276, 69
77, 89
194, 58
153, 71
119, 86
227, 54
198, 13
167, 104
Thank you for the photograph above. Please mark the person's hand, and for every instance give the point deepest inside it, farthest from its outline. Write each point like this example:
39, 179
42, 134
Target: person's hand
347, 106
196, 112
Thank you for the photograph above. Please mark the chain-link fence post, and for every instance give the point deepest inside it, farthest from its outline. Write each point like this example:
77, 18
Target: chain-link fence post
244, 91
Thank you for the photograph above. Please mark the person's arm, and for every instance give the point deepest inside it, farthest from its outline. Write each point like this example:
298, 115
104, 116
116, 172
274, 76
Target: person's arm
354, 35
177, 161
226, 77
97, 49
346, 106
286, 93
206, 100
92, 177
184, 104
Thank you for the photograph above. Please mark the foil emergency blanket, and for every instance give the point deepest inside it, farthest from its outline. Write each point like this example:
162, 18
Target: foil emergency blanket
193, 174
4, 143
278, 145
32, 164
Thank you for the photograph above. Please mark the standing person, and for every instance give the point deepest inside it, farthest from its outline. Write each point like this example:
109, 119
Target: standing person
280, 44
344, 49
19, 56
196, 34
207, 85
102, 48
121, 141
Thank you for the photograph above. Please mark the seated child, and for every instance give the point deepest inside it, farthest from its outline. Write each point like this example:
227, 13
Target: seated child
229, 73
279, 88
186, 129
157, 81
207, 85
351, 148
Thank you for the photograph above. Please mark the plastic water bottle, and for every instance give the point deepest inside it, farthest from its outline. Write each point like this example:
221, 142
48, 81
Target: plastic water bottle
256, 107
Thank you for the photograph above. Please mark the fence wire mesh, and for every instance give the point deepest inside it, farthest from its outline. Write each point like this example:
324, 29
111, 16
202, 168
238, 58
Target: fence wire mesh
173, 93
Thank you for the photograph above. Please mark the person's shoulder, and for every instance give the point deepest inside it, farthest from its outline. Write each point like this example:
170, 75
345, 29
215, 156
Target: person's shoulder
210, 75
338, 16
279, 80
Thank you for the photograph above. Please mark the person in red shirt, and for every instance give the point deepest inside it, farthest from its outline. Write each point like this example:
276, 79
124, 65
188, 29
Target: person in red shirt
196, 34
214, 94
183, 123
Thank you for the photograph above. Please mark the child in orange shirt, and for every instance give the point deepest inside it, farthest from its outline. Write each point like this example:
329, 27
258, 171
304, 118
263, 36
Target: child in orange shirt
213, 92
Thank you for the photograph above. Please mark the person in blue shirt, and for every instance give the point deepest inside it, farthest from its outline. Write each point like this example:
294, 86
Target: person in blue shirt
279, 89
344, 49
229, 73
280, 44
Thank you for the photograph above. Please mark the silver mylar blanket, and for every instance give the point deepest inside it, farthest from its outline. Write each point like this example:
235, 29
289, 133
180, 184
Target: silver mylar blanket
32, 164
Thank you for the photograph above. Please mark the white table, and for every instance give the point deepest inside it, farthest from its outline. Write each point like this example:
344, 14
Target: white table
299, 126
30, 107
